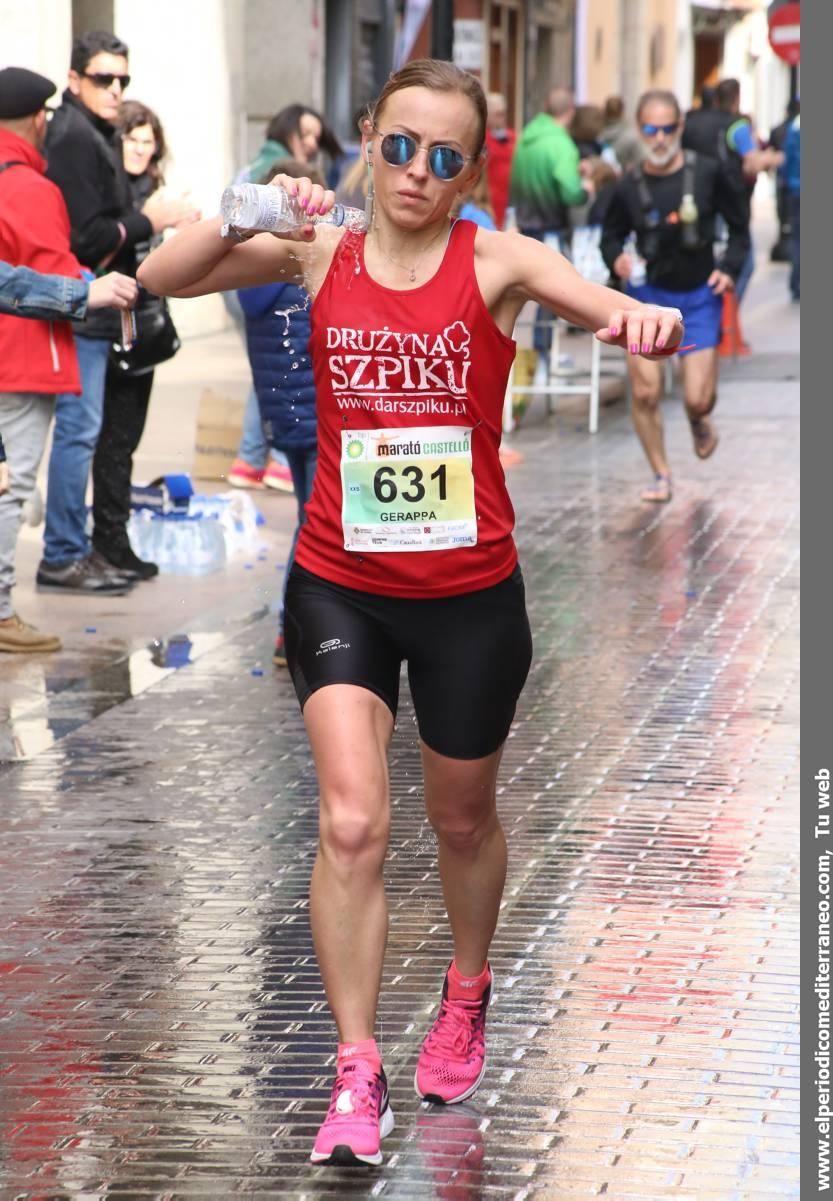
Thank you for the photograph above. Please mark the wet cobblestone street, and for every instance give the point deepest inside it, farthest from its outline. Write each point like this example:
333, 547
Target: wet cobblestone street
163, 1031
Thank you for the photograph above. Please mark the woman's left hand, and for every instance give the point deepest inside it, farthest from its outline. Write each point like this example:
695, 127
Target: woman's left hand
647, 330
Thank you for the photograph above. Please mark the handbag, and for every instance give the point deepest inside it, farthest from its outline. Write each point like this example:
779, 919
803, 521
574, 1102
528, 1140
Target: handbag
155, 342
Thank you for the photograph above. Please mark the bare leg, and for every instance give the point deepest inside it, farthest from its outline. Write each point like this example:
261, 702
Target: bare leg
646, 392
700, 389
349, 730
461, 807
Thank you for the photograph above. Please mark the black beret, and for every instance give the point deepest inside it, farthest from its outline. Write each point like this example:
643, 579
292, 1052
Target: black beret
23, 92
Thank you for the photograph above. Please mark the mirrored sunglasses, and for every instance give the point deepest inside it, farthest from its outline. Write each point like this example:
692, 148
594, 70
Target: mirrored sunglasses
399, 149
651, 131
102, 79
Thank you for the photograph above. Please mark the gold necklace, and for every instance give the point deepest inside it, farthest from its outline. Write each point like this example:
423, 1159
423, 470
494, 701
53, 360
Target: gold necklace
402, 266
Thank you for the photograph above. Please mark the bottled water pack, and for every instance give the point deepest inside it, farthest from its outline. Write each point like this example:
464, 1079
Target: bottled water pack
180, 543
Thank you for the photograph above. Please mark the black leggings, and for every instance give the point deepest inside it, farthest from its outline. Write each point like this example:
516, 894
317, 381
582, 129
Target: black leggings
468, 656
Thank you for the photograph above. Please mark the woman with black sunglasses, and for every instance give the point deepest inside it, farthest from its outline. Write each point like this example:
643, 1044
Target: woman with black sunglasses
407, 551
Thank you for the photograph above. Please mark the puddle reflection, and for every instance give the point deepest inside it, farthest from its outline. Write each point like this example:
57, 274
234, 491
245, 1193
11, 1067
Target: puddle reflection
39, 703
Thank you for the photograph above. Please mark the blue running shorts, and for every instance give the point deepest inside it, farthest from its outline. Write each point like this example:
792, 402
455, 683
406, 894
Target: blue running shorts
700, 308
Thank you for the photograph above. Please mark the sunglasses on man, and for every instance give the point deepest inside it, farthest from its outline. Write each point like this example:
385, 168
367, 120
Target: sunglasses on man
399, 149
103, 79
651, 131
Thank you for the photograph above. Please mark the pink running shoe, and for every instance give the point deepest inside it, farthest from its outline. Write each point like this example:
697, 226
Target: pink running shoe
243, 475
279, 477
453, 1057
358, 1118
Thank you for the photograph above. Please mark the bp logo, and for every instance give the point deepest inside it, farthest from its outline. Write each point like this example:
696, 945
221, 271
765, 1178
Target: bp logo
355, 449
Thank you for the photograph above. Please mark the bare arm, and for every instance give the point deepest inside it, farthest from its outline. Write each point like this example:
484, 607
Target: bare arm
542, 274
198, 261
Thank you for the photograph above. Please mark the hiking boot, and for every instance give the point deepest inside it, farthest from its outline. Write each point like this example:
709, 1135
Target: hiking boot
453, 1057
82, 577
358, 1118
17, 637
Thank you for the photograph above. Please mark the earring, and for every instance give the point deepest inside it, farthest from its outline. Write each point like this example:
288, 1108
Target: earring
368, 204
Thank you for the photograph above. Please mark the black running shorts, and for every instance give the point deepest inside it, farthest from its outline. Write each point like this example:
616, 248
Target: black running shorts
468, 656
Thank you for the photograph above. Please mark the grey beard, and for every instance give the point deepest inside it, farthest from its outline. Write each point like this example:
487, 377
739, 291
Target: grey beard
661, 158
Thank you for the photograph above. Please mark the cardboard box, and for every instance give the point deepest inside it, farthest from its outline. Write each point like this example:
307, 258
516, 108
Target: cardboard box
219, 426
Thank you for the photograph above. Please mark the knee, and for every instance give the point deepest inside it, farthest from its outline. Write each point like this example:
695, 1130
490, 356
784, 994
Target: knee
701, 404
645, 394
463, 832
353, 833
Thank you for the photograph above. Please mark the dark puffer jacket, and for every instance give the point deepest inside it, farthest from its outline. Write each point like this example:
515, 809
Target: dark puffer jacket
277, 336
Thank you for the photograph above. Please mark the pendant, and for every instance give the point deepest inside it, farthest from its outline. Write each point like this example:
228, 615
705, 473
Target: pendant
412, 274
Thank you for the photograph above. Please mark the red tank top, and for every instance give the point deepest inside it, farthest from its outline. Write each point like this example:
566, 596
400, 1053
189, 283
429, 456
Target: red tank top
409, 496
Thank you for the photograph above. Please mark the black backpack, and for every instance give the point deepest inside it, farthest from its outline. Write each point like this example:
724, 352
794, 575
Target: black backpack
648, 223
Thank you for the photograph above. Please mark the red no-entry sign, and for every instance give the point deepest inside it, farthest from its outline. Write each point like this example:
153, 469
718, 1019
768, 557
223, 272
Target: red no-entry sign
785, 33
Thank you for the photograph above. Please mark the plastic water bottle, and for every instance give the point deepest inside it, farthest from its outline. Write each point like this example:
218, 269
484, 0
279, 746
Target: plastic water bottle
271, 208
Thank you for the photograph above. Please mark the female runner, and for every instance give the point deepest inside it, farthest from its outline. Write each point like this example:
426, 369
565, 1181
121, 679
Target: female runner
407, 551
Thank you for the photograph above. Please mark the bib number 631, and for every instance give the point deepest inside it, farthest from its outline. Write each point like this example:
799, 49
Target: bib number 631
386, 489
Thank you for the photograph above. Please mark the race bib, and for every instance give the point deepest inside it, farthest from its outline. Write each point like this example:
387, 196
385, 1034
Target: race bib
407, 489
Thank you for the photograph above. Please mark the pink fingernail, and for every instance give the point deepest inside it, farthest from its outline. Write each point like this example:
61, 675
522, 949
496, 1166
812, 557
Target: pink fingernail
646, 346
634, 347
614, 330
660, 342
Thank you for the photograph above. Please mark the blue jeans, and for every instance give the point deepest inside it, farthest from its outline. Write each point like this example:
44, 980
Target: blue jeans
795, 244
302, 464
254, 448
77, 426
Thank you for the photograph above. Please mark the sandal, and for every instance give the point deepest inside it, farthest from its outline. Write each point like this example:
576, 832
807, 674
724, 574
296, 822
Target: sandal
660, 494
705, 438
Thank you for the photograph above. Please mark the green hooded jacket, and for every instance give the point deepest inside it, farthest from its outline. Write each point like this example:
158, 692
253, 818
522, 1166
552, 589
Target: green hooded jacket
269, 153
545, 176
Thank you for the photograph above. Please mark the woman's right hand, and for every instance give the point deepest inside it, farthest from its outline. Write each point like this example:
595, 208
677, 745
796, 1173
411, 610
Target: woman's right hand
311, 197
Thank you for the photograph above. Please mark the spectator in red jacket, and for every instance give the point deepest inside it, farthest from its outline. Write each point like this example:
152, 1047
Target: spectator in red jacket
500, 146
37, 358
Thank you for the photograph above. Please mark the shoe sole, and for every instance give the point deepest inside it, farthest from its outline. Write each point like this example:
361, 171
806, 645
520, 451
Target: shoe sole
122, 590
343, 1155
279, 486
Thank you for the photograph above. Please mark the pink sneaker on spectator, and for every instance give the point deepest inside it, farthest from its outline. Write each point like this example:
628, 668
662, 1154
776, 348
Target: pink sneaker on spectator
243, 475
358, 1118
279, 477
